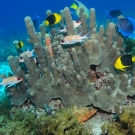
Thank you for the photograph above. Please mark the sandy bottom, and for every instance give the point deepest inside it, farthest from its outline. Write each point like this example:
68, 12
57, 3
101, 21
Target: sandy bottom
93, 125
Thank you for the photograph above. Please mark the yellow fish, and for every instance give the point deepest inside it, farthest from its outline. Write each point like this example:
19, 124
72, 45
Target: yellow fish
20, 44
124, 62
53, 19
78, 6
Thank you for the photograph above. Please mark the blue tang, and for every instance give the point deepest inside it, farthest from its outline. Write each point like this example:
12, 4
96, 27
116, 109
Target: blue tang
126, 26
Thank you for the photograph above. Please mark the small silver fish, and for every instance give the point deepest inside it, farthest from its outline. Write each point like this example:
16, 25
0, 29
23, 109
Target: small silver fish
75, 25
72, 39
10, 81
28, 53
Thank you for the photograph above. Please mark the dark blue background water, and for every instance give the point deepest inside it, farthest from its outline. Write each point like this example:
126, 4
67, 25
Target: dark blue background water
12, 12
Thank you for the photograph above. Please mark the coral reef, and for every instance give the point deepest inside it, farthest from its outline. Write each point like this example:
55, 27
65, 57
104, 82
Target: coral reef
64, 75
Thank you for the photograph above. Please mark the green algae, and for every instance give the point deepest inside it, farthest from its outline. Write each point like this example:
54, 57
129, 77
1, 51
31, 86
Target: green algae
4, 106
125, 126
130, 46
21, 124
27, 123
63, 123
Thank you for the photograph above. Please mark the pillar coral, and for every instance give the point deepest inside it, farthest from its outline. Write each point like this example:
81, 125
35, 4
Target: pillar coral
65, 75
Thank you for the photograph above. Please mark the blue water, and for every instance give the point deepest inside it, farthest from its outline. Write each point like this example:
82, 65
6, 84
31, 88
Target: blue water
12, 12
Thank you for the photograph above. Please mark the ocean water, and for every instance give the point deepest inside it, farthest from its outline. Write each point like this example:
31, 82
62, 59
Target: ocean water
12, 12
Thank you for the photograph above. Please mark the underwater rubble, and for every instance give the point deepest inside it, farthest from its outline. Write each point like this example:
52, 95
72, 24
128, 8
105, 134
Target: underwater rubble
63, 72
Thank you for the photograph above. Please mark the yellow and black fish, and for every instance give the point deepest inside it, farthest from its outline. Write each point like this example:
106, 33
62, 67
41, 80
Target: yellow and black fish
77, 8
124, 62
53, 19
20, 44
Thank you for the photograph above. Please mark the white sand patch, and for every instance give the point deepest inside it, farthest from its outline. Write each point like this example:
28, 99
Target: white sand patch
94, 124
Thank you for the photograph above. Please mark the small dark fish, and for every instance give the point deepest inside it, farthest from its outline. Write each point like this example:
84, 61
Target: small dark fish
124, 62
126, 26
20, 44
36, 22
114, 13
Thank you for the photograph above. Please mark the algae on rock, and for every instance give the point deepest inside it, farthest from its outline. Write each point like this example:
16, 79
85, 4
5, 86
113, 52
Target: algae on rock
4, 106
63, 123
125, 126
21, 124
27, 123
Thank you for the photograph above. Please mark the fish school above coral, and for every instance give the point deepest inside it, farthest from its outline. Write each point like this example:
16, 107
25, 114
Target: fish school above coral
64, 70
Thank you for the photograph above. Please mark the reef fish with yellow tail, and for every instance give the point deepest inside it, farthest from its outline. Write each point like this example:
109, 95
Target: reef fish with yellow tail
77, 8
72, 39
124, 62
10, 81
20, 44
53, 19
